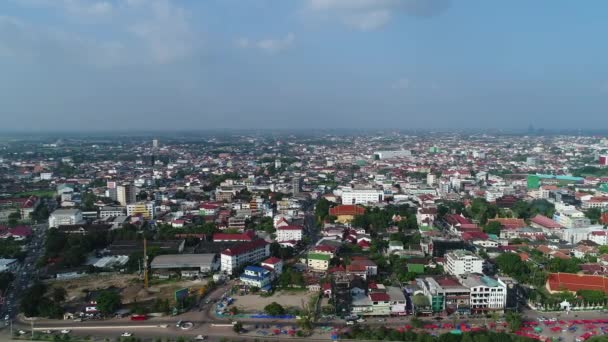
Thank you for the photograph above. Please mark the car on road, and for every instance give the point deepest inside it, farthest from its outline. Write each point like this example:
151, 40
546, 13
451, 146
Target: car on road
360, 320
350, 322
200, 338
126, 334
66, 331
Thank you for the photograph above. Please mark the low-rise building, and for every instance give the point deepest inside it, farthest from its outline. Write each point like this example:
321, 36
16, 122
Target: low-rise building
257, 276
460, 262
318, 261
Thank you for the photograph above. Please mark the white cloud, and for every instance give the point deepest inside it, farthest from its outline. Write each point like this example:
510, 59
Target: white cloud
81, 8
368, 21
268, 45
373, 14
142, 32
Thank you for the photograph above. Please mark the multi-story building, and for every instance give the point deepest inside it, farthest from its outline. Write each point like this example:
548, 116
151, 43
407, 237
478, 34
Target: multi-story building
318, 261
125, 194
599, 237
64, 217
445, 294
296, 184
288, 233
145, 209
460, 262
274, 264
487, 294
571, 218
361, 196
256, 276
244, 253
105, 212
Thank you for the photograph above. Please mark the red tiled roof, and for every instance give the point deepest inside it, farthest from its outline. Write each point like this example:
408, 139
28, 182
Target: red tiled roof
454, 219
379, 297
272, 261
325, 248
246, 236
346, 210
545, 222
244, 247
290, 228
575, 282
604, 218
467, 236
356, 268
509, 223
326, 286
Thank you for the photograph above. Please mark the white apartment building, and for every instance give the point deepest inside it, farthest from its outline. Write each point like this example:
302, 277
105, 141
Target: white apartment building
244, 253
64, 216
361, 196
461, 262
288, 233
105, 212
599, 237
125, 194
145, 209
487, 294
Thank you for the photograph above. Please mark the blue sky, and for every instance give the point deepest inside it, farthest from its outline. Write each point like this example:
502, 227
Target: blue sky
209, 64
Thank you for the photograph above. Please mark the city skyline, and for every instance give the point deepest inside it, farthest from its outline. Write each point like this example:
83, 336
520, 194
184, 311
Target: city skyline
132, 65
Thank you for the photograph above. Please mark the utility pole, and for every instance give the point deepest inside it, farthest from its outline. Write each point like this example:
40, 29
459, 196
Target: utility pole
145, 264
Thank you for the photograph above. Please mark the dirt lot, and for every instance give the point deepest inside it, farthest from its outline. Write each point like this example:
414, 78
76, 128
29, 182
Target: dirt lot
131, 287
256, 303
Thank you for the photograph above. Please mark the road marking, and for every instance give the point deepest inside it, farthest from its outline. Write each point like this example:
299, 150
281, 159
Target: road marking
99, 327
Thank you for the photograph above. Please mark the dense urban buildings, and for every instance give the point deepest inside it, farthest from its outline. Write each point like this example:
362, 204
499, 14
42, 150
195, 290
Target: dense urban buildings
392, 225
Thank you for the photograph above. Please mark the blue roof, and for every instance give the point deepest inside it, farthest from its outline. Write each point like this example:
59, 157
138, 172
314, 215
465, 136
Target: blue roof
257, 269
250, 277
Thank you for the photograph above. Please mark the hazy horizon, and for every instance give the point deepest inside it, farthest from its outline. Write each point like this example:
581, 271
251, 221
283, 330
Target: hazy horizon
171, 65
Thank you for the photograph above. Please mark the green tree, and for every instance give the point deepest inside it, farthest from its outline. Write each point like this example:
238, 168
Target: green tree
514, 320
59, 294
274, 309
322, 209
108, 302
5, 280
492, 228
594, 214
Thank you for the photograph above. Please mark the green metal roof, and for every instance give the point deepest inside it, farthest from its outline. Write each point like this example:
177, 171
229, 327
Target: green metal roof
319, 256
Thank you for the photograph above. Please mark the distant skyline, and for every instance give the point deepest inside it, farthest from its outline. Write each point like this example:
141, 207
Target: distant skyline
170, 65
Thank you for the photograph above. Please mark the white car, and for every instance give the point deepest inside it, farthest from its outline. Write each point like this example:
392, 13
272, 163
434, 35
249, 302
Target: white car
200, 338
21, 332
66, 331
360, 320
350, 322
126, 334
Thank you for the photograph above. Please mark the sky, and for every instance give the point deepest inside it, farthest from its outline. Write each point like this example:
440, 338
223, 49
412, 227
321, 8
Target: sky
134, 65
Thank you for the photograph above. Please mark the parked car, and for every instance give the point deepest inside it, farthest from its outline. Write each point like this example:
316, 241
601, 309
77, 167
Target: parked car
126, 334
200, 338
66, 331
